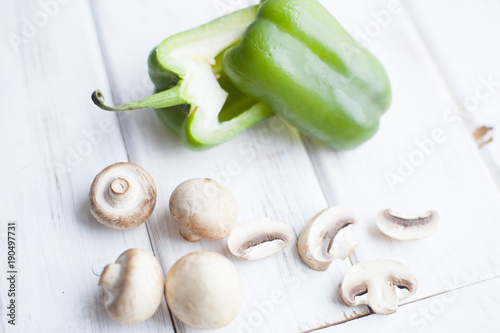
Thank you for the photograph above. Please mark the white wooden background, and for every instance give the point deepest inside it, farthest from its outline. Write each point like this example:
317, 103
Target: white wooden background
438, 53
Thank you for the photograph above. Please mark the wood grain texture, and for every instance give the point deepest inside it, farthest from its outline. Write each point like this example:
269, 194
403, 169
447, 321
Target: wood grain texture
470, 309
53, 144
55, 141
464, 44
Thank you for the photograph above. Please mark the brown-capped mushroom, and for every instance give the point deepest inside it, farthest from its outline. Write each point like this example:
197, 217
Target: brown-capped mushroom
379, 284
122, 196
327, 237
133, 286
407, 226
259, 239
204, 290
203, 208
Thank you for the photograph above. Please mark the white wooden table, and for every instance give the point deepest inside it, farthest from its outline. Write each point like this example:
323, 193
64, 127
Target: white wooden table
442, 57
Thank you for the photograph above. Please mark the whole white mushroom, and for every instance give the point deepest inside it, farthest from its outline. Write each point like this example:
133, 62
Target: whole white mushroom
122, 196
133, 286
204, 290
203, 208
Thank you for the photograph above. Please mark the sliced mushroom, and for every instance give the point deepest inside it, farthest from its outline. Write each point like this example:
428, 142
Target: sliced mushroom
204, 290
133, 286
203, 208
407, 227
259, 239
122, 196
327, 237
380, 284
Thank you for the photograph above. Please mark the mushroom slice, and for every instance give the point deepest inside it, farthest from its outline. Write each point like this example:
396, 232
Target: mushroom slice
380, 284
259, 239
327, 237
133, 286
204, 290
407, 227
203, 208
122, 196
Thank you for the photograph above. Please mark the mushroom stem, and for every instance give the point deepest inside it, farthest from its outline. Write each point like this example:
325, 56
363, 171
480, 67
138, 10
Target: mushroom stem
111, 276
383, 300
119, 186
188, 235
343, 243
122, 196
120, 190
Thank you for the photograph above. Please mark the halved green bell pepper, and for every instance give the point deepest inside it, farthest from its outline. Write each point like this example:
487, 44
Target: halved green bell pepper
295, 60
194, 97
298, 60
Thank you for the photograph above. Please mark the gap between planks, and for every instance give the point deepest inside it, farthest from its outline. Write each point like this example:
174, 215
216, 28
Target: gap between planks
105, 58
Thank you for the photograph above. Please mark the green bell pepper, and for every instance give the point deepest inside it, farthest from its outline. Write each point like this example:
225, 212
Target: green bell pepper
295, 60
298, 60
194, 97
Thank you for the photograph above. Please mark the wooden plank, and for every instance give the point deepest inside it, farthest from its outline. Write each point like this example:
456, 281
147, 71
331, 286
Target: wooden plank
432, 165
468, 309
265, 180
53, 144
271, 176
464, 45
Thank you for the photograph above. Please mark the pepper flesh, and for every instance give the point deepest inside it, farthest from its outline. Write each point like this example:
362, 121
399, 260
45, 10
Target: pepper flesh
299, 61
194, 97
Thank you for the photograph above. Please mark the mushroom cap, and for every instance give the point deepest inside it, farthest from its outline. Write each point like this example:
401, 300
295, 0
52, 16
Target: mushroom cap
122, 196
133, 286
327, 237
204, 208
204, 290
407, 226
259, 239
380, 284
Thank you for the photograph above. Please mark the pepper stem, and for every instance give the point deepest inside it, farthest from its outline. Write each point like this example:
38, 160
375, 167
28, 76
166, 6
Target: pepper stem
162, 99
